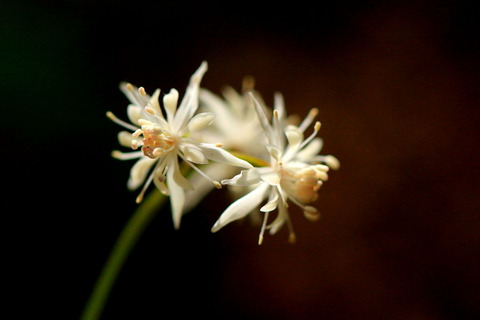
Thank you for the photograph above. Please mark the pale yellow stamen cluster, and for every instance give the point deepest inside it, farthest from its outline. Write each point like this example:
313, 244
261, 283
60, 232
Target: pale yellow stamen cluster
155, 141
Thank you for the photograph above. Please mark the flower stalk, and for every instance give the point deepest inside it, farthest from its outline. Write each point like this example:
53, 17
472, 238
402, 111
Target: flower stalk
122, 248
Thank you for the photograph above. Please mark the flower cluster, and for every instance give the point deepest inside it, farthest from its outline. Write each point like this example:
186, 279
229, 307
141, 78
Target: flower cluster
234, 140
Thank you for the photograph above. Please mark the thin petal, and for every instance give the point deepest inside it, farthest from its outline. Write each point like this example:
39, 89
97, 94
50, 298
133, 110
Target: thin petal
272, 202
200, 121
189, 104
154, 103
177, 197
194, 154
139, 172
219, 155
177, 175
170, 101
242, 207
272, 178
245, 178
134, 113
310, 150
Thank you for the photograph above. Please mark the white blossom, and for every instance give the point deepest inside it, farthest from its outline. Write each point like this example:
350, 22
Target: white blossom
295, 172
164, 140
237, 127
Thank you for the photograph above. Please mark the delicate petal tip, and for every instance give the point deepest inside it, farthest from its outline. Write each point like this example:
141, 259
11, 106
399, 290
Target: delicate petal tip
332, 162
222, 156
200, 121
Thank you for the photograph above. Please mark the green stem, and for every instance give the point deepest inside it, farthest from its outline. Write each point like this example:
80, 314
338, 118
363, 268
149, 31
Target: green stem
125, 242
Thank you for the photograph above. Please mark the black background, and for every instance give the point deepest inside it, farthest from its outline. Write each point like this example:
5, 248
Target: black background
397, 88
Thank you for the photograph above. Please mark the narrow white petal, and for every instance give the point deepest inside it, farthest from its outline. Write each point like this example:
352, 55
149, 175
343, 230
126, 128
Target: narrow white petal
262, 117
275, 152
200, 121
242, 207
219, 155
139, 172
194, 155
134, 113
272, 178
279, 220
177, 197
294, 135
272, 202
170, 101
177, 175
245, 178
189, 104
310, 150
154, 103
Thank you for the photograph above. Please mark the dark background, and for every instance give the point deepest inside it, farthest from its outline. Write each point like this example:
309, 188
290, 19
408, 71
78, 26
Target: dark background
397, 88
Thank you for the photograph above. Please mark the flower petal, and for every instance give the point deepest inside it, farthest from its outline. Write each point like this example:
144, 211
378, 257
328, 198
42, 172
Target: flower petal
170, 101
272, 178
194, 154
176, 174
219, 155
272, 202
189, 104
177, 197
310, 150
200, 121
139, 172
245, 178
241, 207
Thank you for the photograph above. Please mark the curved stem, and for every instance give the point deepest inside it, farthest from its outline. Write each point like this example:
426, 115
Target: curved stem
125, 242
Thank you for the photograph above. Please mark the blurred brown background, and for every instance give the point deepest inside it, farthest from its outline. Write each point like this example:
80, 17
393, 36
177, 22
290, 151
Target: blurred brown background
397, 88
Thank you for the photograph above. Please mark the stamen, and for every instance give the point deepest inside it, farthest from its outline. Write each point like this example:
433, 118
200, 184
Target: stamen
125, 156
262, 230
137, 133
313, 135
159, 166
308, 119
124, 124
217, 184
134, 144
145, 186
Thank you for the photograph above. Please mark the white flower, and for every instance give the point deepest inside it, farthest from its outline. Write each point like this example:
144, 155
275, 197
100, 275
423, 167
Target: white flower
163, 140
236, 125
295, 173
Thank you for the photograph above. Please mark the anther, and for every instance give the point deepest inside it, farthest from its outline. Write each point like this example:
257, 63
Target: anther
116, 154
275, 114
218, 145
217, 184
129, 87
141, 90
134, 144
150, 111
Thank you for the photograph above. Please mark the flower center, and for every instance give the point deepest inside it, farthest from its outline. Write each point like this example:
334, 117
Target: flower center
156, 142
303, 183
